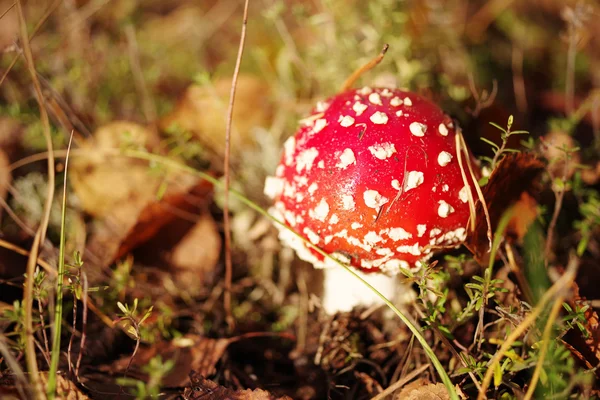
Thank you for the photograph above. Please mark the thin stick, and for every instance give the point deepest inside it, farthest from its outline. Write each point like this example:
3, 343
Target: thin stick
570, 71
45, 122
561, 284
226, 223
138, 77
41, 233
518, 81
545, 344
15, 367
43, 330
485, 16
8, 9
83, 323
19, 250
398, 384
40, 23
480, 196
367, 67
459, 155
30, 358
559, 197
70, 346
16, 218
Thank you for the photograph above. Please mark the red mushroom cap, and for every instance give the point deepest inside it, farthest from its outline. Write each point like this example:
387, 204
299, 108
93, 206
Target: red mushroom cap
372, 178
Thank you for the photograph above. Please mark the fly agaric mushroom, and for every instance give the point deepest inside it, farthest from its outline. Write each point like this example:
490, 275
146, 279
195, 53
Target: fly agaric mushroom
371, 177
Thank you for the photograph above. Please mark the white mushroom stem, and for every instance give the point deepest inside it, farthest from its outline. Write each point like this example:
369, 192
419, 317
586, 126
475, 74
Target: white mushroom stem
342, 291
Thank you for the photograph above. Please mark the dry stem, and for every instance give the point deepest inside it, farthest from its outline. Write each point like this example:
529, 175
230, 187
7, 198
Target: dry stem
226, 222
367, 67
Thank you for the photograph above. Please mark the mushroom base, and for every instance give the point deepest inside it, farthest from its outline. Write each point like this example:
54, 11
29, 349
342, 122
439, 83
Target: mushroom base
342, 291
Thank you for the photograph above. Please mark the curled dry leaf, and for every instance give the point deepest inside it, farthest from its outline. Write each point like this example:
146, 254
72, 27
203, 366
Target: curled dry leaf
176, 203
525, 212
202, 110
123, 193
106, 185
422, 389
118, 234
515, 175
191, 353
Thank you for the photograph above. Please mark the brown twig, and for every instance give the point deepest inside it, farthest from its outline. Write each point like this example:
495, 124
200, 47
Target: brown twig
459, 154
559, 197
367, 67
46, 349
448, 345
40, 236
30, 357
70, 346
138, 77
8, 9
518, 80
15, 367
226, 222
44, 18
484, 17
484, 99
84, 298
19, 250
45, 122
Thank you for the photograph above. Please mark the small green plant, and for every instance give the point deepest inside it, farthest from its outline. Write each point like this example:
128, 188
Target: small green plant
590, 220
576, 318
433, 295
15, 315
481, 290
129, 321
472, 365
501, 150
156, 370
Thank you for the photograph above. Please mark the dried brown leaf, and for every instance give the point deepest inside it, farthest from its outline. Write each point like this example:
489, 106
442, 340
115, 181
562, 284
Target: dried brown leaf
106, 185
423, 390
202, 388
158, 213
202, 110
514, 175
191, 353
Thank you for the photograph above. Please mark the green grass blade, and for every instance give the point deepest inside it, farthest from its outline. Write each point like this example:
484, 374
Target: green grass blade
56, 333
